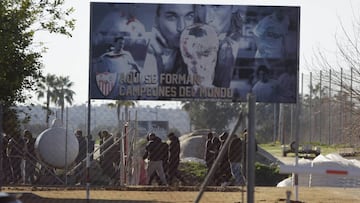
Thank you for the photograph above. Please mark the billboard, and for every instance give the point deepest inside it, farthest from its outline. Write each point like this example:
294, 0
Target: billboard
141, 51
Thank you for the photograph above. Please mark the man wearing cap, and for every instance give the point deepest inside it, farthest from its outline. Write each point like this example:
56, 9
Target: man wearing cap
152, 153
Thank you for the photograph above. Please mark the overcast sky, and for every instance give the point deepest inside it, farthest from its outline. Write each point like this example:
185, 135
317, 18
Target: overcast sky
320, 21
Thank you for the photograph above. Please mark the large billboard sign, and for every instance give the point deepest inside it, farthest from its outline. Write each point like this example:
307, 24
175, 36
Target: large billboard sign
144, 51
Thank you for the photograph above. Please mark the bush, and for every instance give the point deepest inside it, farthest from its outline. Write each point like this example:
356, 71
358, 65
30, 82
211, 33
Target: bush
267, 175
193, 172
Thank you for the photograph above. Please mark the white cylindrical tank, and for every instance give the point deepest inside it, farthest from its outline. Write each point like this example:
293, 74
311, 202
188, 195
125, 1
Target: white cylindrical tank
51, 146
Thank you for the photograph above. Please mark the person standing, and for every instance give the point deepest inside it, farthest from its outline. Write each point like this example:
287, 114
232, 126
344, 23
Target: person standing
6, 176
30, 157
152, 153
15, 152
164, 153
235, 157
80, 159
174, 158
210, 151
107, 154
223, 173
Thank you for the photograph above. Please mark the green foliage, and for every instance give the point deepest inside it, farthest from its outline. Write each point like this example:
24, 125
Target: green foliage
193, 172
264, 175
267, 175
10, 122
20, 63
211, 115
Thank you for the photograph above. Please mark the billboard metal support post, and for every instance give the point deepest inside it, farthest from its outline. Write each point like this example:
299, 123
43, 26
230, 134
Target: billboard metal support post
251, 148
88, 153
1, 145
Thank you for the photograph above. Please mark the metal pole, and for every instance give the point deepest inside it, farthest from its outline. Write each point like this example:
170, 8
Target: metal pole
351, 104
291, 122
251, 144
281, 124
276, 121
88, 152
66, 146
124, 141
297, 133
310, 109
320, 97
329, 109
341, 108
302, 98
1, 145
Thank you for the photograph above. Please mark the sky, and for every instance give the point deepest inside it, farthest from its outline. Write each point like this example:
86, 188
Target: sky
320, 22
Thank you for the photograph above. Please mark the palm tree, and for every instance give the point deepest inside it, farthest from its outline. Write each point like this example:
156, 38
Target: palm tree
118, 104
45, 88
63, 93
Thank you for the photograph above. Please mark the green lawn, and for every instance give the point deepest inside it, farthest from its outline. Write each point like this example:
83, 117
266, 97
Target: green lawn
276, 149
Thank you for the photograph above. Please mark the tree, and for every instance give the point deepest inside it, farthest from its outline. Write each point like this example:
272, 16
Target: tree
63, 93
211, 115
20, 65
46, 87
19, 60
341, 71
120, 103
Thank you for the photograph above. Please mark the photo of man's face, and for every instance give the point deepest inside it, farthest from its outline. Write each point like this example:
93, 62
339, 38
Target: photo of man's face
172, 20
199, 55
119, 44
217, 16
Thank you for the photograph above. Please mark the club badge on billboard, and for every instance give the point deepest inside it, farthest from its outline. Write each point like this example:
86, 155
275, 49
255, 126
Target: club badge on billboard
106, 82
193, 51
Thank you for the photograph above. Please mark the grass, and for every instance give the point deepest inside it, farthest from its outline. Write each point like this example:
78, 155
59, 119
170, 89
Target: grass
276, 149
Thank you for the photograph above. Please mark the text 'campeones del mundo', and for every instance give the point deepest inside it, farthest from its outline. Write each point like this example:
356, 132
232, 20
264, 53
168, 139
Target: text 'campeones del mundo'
168, 86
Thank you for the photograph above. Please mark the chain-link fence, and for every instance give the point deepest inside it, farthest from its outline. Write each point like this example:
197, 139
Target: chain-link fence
117, 139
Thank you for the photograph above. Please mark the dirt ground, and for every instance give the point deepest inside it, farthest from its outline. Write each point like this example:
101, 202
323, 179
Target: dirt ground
261, 194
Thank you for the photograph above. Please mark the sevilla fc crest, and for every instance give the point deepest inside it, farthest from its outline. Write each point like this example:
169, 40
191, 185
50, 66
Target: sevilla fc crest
106, 82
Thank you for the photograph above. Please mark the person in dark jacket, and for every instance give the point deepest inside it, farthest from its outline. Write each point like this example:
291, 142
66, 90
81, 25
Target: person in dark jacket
30, 157
15, 152
212, 150
79, 172
6, 170
174, 159
223, 173
235, 158
164, 154
152, 153
210, 153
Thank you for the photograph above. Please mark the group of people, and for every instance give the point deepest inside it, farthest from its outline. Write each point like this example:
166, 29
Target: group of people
231, 167
18, 158
162, 159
